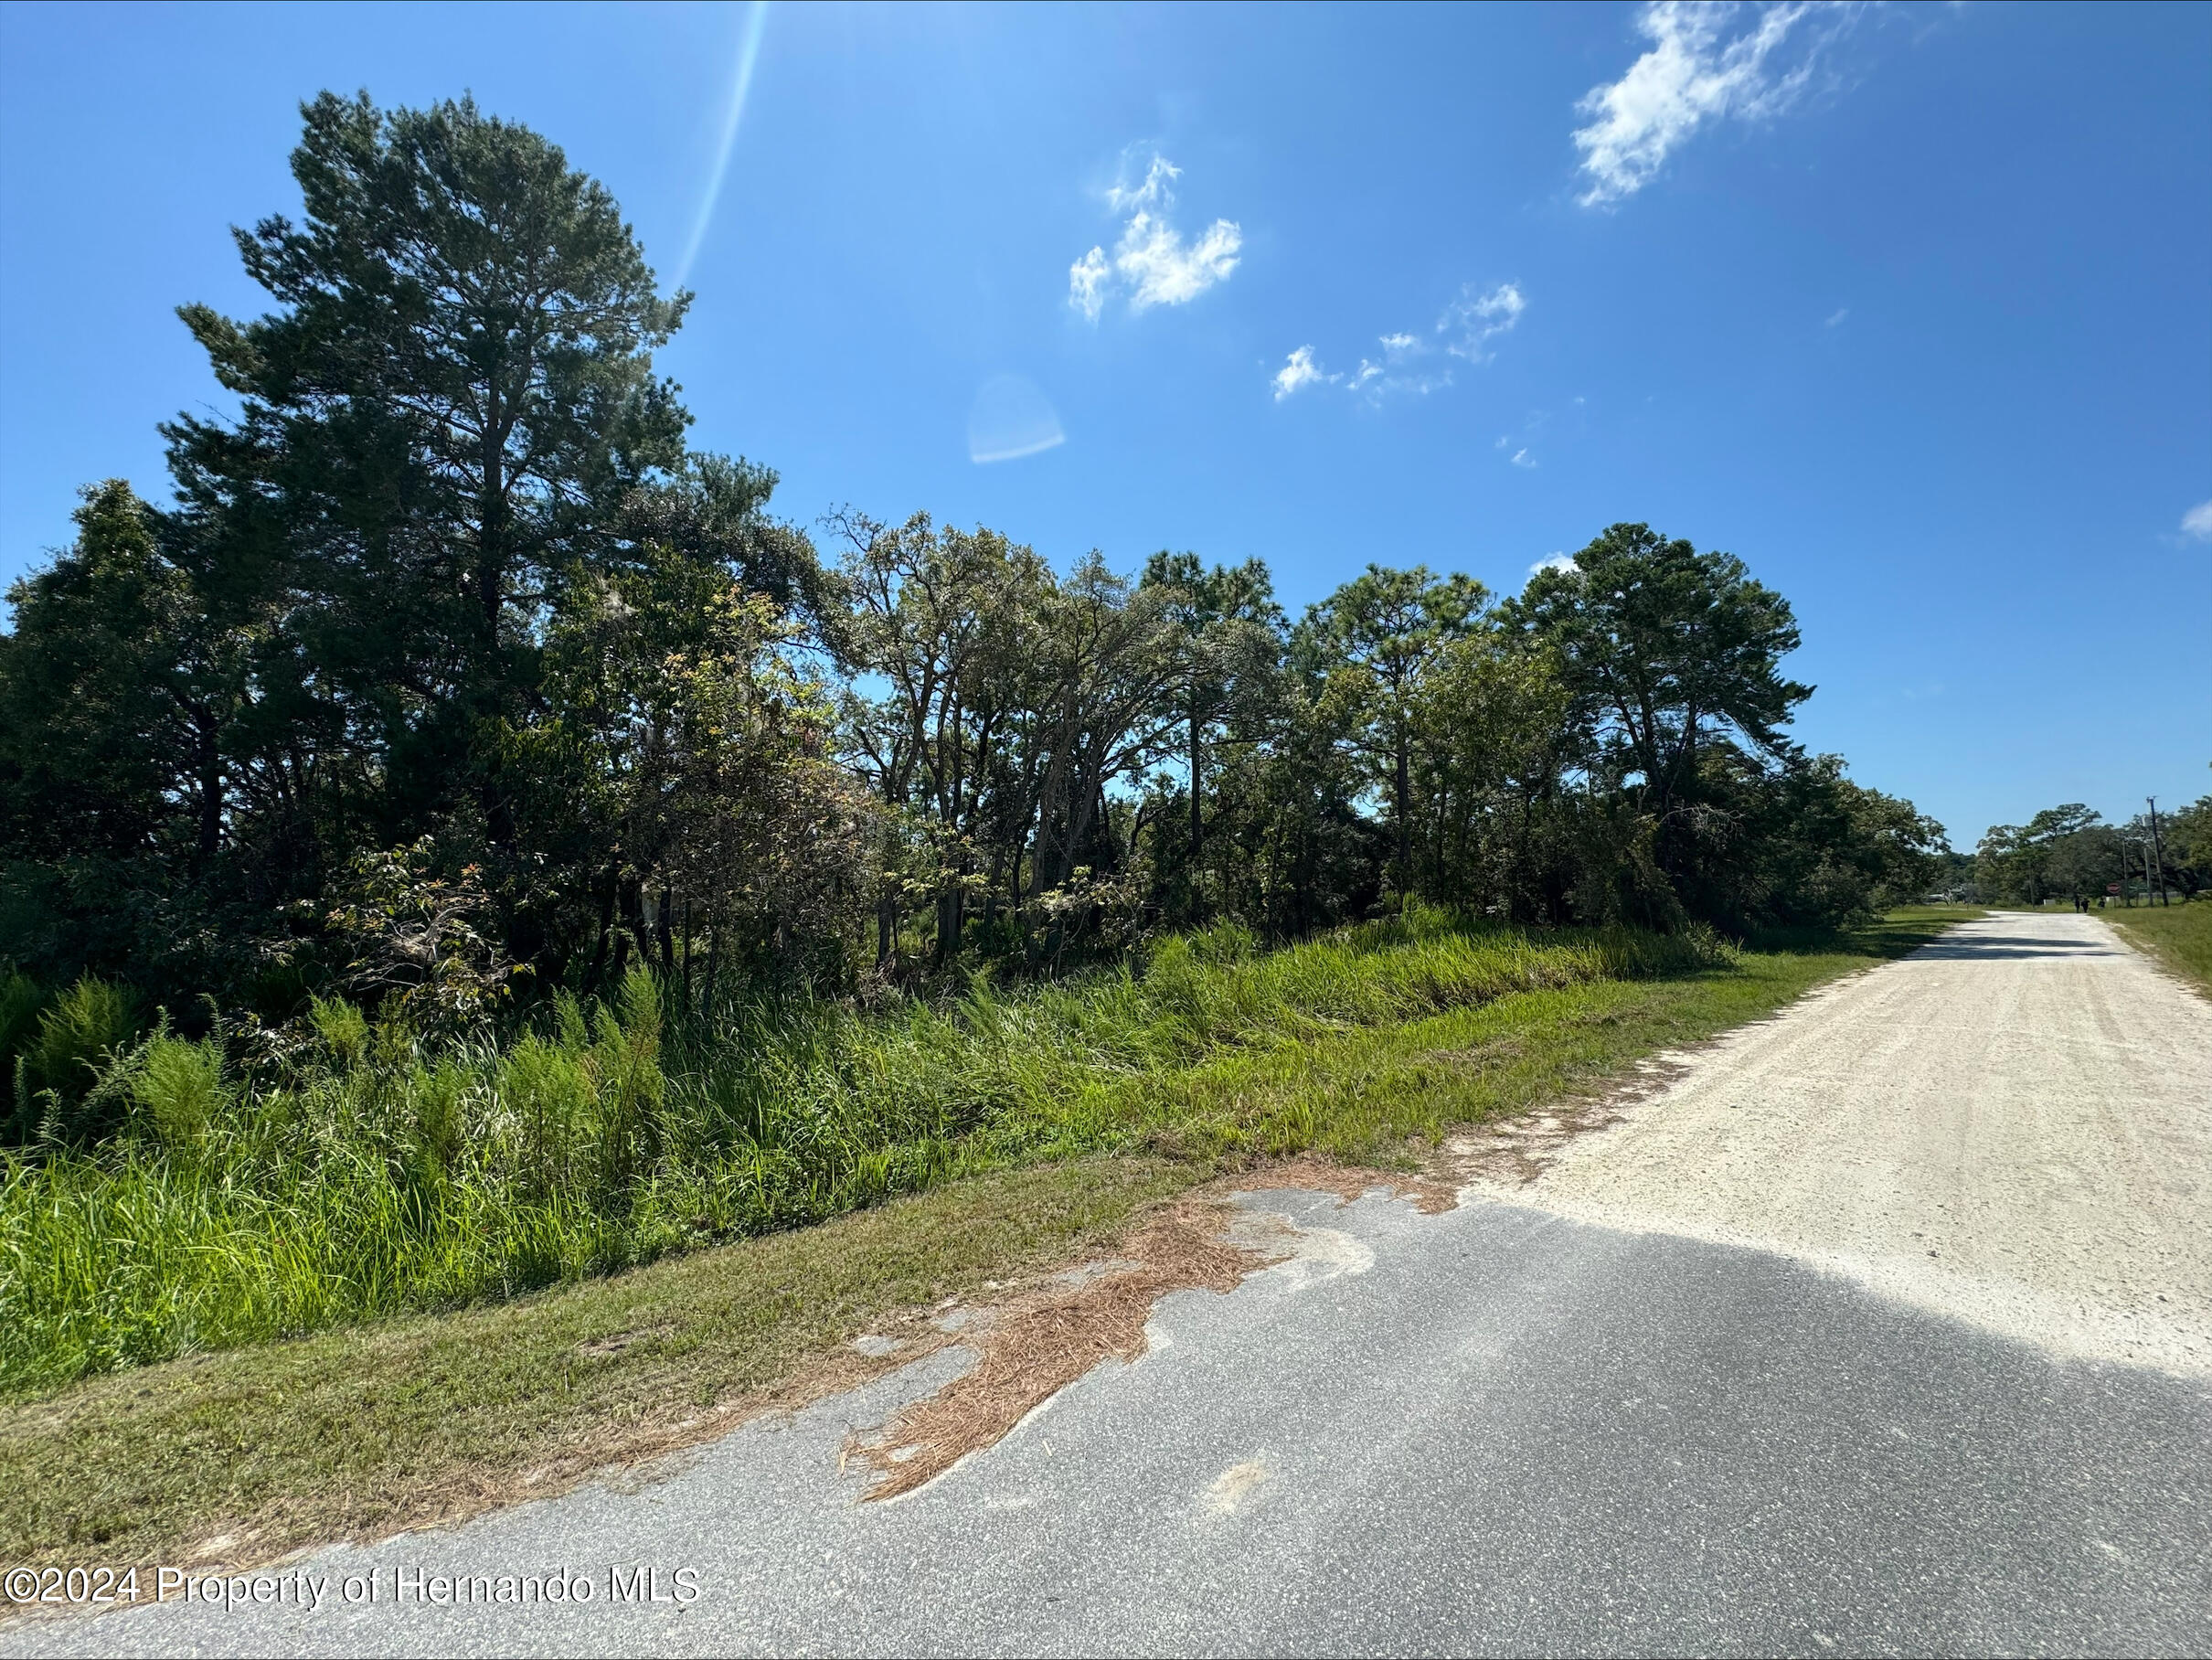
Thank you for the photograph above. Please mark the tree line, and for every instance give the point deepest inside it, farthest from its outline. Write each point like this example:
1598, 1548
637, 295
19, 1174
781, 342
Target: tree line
453, 675
2073, 852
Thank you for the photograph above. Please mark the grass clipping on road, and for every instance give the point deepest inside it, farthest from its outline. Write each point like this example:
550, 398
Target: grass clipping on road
240, 1455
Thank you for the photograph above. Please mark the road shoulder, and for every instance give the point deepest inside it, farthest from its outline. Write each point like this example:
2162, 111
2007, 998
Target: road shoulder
240, 1457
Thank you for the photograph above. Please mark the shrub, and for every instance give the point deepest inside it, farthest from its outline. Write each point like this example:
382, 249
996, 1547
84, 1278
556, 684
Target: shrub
58, 1073
178, 1088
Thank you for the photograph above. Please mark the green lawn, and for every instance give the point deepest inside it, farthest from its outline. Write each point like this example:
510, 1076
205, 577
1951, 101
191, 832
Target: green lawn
251, 1450
2180, 936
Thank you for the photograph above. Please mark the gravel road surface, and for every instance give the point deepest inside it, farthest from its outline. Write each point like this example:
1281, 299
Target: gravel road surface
1882, 1328
2013, 1127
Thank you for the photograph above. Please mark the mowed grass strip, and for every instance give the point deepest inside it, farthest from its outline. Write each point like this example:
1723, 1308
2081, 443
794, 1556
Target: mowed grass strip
2180, 936
239, 1456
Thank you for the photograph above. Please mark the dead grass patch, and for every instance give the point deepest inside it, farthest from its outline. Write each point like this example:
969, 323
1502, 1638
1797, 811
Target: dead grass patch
1514, 1151
1425, 1192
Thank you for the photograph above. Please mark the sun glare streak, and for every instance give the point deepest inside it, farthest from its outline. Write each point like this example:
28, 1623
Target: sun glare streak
748, 54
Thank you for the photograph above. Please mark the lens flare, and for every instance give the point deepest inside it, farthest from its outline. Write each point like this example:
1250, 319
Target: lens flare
1011, 418
748, 54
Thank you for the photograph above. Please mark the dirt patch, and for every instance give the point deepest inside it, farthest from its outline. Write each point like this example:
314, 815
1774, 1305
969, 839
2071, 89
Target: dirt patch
1512, 1152
1036, 1345
616, 1342
1033, 1346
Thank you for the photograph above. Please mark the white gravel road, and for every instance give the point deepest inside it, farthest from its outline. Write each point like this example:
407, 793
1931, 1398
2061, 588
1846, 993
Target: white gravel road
2013, 1127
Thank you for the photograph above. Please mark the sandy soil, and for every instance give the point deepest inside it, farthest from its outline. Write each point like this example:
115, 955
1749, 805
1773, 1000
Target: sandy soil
2012, 1126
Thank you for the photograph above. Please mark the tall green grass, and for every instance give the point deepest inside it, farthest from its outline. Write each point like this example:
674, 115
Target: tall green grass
371, 1173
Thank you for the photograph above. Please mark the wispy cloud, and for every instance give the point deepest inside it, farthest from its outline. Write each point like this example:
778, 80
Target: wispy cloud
1836, 316
1087, 280
1564, 423
1700, 67
1473, 319
1415, 364
1163, 270
1157, 190
2198, 522
1407, 365
1151, 264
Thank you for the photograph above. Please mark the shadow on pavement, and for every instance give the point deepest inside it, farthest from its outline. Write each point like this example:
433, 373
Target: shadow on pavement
2014, 947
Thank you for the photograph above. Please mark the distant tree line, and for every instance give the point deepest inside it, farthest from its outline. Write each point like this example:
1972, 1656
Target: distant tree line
453, 675
2072, 852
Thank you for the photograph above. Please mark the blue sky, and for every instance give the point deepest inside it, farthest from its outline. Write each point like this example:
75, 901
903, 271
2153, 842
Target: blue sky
1910, 308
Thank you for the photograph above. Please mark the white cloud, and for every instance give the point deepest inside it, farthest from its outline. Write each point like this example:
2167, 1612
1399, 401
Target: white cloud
1521, 458
1559, 562
1151, 264
1410, 362
2198, 522
1163, 270
1298, 371
1087, 283
1472, 319
1156, 191
1694, 72
1400, 369
1836, 318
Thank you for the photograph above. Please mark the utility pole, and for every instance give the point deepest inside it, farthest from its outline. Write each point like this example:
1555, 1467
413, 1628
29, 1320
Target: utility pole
2161, 845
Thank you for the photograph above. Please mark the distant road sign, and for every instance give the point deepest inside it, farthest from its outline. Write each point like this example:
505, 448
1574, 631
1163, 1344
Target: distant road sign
2112, 887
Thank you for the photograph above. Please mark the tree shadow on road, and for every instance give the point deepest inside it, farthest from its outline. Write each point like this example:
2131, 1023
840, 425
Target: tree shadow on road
1899, 933
2018, 947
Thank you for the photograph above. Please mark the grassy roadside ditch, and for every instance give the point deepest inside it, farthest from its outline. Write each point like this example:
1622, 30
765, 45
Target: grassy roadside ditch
1361, 1049
364, 1174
